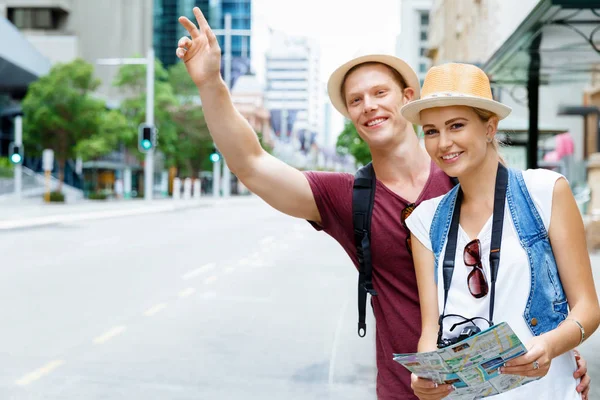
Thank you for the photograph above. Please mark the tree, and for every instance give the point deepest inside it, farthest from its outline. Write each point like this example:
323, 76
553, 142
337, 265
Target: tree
61, 113
131, 79
349, 142
194, 143
113, 129
184, 88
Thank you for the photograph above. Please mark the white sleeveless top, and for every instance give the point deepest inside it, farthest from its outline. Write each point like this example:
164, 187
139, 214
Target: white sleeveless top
512, 286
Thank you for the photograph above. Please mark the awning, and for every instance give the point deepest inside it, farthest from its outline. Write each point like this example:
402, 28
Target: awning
20, 62
568, 32
558, 42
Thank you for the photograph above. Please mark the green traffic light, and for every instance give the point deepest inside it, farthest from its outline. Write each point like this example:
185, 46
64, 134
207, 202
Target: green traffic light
146, 144
15, 158
214, 157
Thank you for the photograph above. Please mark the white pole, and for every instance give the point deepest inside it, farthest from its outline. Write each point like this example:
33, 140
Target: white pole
149, 160
216, 178
127, 183
164, 184
227, 73
176, 188
18, 167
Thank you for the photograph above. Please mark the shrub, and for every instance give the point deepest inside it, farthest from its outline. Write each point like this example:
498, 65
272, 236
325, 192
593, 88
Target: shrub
97, 196
57, 197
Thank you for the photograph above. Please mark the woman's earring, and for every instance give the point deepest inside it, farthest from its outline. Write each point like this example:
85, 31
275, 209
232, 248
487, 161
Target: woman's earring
489, 140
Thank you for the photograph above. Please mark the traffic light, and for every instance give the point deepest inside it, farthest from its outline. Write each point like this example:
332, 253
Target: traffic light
146, 137
15, 153
215, 156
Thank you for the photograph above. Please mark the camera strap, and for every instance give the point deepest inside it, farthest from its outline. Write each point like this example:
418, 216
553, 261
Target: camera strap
497, 222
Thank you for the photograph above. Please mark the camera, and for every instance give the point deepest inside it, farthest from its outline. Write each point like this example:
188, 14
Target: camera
466, 332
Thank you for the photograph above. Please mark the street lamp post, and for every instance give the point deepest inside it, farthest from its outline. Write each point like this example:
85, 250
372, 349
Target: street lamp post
227, 33
18, 166
149, 158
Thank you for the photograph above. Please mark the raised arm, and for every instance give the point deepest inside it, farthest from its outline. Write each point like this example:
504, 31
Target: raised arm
283, 187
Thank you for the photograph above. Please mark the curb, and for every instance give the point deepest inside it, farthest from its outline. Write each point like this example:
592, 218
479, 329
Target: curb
32, 222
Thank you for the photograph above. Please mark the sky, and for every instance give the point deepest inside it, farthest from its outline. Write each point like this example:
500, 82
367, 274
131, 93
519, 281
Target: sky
341, 27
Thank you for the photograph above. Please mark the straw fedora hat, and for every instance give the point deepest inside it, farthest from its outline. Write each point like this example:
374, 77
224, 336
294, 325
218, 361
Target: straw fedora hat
334, 85
454, 85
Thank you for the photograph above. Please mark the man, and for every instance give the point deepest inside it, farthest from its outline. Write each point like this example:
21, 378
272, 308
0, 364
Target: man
369, 91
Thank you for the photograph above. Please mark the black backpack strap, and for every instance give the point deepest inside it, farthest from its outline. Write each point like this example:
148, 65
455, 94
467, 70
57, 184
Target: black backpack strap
363, 198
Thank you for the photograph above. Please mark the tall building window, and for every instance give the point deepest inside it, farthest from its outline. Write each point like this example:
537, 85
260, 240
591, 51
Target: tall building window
425, 19
34, 18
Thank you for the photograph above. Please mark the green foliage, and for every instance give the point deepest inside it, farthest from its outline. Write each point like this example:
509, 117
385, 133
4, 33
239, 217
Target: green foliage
61, 113
183, 135
264, 144
57, 197
97, 196
182, 83
349, 142
59, 109
132, 80
113, 129
6, 168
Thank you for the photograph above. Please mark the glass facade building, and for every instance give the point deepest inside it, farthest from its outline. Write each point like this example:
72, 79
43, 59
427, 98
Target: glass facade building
167, 29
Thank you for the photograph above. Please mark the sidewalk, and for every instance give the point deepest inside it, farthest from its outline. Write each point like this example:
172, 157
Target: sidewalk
27, 213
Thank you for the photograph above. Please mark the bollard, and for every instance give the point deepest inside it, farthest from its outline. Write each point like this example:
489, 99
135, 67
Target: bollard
197, 188
176, 188
187, 188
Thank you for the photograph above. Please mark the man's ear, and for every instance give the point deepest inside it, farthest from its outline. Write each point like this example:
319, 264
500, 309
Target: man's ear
408, 95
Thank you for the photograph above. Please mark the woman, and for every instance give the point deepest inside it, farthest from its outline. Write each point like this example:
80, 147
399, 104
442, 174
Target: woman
544, 292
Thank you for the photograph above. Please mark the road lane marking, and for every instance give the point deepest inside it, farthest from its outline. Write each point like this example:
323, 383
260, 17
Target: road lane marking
229, 270
243, 261
117, 330
155, 309
194, 273
210, 279
39, 373
85, 216
187, 292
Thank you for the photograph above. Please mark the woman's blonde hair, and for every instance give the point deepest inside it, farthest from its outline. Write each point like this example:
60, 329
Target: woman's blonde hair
485, 116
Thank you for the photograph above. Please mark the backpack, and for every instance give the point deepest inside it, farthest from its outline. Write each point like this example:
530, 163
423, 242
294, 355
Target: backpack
363, 198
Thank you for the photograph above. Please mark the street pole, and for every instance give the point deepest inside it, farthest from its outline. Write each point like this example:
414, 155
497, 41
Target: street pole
227, 73
216, 187
18, 168
149, 159
227, 33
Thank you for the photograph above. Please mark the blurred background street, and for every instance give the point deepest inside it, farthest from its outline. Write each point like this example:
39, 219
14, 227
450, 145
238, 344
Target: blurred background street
135, 265
229, 301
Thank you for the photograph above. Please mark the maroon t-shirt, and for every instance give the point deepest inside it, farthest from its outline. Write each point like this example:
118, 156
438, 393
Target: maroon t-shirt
396, 307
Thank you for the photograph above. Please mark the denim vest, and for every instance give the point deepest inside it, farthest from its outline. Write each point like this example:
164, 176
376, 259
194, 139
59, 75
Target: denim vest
547, 303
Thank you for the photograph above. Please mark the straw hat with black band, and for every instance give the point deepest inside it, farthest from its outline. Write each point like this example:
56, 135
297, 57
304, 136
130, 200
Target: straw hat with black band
336, 80
454, 84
